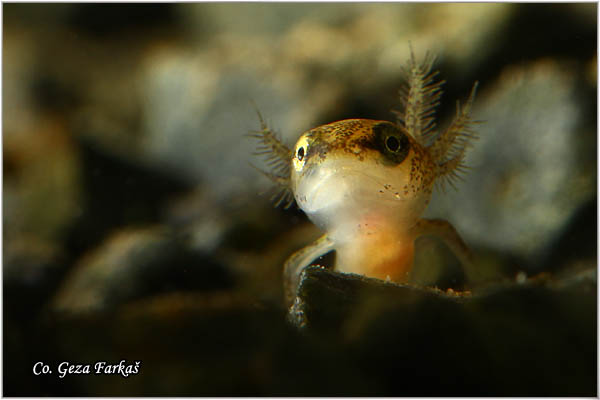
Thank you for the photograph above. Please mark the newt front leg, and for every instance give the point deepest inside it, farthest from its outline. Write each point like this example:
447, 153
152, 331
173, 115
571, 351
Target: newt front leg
445, 231
448, 234
298, 261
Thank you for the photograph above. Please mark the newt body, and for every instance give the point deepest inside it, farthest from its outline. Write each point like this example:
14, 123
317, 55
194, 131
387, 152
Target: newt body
366, 183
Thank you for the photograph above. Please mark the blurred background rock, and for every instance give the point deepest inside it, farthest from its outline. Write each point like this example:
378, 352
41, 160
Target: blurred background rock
127, 185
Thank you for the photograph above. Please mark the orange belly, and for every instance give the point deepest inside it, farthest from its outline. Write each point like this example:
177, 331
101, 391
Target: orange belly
378, 250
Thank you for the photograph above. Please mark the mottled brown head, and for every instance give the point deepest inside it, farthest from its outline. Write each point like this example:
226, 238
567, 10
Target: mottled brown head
379, 141
356, 165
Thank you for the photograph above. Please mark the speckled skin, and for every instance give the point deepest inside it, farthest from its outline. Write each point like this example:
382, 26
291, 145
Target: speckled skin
355, 138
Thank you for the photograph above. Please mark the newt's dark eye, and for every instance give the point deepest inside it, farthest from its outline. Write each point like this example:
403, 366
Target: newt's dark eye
392, 142
300, 154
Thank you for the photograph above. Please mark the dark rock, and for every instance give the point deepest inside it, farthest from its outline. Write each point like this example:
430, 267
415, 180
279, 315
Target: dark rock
189, 345
134, 263
119, 190
32, 269
530, 339
117, 19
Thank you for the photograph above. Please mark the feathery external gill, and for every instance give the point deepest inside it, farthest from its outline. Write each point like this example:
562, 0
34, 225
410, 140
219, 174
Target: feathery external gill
277, 158
448, 149
419, 96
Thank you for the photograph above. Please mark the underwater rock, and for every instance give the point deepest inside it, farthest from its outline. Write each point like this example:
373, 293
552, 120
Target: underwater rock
133, 263
191, 344
533, 166
535, 338
32, 268
42, 183
42, 180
